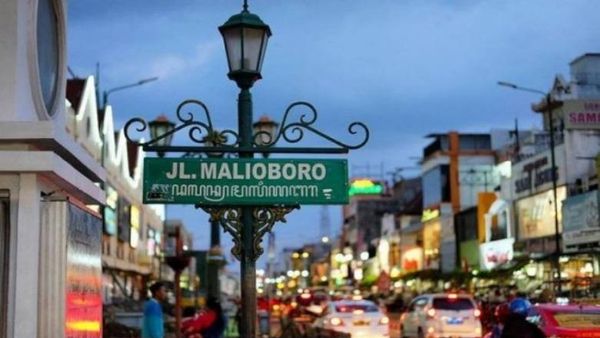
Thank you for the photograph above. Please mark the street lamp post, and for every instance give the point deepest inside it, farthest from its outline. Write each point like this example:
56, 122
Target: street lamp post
106, 93
549, 106
266, 129
245, 37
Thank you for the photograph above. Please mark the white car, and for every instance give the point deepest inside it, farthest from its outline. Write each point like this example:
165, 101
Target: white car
360, 318
441, 315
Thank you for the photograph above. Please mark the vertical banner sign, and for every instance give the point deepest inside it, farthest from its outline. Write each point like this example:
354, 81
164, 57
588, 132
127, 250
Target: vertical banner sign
245, 181
84, 275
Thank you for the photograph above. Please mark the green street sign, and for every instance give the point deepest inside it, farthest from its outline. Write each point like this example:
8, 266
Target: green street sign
245, 181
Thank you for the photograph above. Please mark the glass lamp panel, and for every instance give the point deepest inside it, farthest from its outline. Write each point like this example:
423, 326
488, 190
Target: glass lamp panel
233, 47
263, 50
159, 128
167, 140
253, 42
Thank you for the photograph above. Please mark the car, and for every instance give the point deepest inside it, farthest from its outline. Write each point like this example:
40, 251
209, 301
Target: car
566, 321
360, 318
441, 315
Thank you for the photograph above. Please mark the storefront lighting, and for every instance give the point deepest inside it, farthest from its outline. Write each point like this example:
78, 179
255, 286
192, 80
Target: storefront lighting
348, 257
365, 187
531, 270
323, 278
588, 268
475, 272
358, 274
279, 293
563, 259
398, 284
395, 272
339, 257
364, 255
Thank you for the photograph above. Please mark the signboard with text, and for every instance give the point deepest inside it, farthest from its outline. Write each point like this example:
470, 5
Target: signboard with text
535, 214
581, 114
245, 181
496, 253
581, 220
83, 313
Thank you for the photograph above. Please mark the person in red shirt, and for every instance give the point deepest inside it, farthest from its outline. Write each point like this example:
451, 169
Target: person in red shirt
209, 323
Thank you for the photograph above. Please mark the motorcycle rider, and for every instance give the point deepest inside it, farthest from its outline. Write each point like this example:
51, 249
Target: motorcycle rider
516, 324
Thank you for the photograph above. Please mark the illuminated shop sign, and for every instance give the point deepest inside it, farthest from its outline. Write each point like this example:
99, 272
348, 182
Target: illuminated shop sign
412, 259
151, 242
429, 214
110, 211
123, 219
581, 221
111, 197
580, 114
365, 187
134, 222
535, 214
83, 283
493, 254
110, 221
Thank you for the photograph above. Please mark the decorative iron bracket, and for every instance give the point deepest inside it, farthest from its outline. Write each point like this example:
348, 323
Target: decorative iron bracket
291, 131
264, 218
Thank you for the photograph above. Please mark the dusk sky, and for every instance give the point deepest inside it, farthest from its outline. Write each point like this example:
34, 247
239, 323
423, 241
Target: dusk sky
404, 68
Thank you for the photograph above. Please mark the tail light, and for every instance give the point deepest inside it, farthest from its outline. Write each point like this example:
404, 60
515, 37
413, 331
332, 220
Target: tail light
477, 313
335, 321
431, 313
384, 320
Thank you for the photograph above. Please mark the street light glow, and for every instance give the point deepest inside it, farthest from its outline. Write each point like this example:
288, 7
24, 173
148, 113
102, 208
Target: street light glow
364, 255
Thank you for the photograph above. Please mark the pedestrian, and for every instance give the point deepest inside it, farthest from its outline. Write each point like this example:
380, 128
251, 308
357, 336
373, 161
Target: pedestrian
516, 324
209, 323
153, 322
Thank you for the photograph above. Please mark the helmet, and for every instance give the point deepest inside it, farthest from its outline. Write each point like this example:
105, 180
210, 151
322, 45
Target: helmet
519, 306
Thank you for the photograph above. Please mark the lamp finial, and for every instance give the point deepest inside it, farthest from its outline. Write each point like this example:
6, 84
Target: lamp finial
245, 6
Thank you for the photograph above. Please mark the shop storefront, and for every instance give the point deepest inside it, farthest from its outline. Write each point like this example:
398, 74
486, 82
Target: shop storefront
581, 240
431, 244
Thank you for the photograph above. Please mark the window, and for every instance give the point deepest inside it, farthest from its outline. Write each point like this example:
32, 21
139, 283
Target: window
418, 304
436, 185
454, 304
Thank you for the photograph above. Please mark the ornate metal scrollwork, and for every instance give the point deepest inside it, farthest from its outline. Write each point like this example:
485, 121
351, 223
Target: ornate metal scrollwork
293, 131
264, 220
231, 221
199, 129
